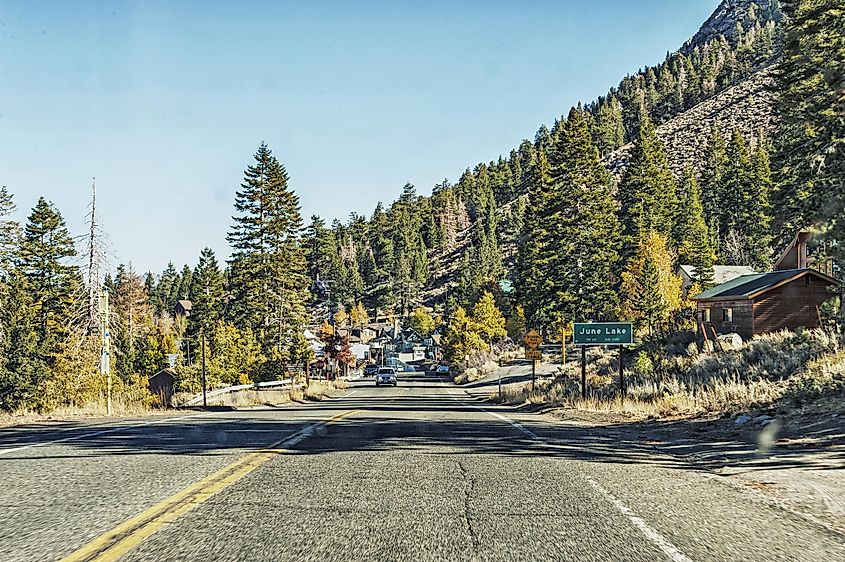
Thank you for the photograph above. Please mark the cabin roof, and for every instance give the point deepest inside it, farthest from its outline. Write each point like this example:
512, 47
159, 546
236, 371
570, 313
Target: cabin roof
721, 273
749, 286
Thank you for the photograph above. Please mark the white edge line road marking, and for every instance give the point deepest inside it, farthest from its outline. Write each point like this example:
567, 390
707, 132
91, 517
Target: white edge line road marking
96, 433
669, 549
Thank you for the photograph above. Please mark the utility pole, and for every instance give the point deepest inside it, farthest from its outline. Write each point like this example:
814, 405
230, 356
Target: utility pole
204, 399
105, 363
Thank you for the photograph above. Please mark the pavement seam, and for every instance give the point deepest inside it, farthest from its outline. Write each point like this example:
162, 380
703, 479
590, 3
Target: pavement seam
669, 549
468, 490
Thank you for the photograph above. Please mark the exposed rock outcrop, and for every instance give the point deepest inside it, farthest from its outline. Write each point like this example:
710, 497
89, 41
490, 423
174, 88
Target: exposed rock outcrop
730, 12
746, 107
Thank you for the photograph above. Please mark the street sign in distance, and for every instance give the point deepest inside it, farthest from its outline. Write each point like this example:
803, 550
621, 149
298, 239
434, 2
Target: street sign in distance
534, 354
602, 333
532, 339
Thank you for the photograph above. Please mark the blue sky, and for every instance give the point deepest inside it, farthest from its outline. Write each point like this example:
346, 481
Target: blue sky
165, 102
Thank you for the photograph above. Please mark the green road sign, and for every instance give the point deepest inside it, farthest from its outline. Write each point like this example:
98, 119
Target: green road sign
602, 333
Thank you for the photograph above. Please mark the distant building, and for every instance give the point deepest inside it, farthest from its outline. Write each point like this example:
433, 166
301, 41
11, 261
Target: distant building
765, 302
182, 308
161, 385
721, 273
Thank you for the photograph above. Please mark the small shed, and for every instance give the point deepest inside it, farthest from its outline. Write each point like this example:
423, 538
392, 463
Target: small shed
161, 384
765, 302
182, 308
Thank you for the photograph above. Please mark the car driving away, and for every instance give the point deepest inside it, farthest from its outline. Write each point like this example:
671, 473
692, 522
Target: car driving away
371, 370
386, 375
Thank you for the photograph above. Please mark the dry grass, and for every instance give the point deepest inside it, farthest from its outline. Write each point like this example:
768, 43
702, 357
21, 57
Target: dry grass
480, 364
777, 369
121, 407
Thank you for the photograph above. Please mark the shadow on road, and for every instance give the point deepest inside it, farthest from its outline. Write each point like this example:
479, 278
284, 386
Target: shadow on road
436, 424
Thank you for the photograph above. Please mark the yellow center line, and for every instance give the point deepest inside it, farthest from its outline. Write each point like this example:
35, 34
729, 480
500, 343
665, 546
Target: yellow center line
118, 541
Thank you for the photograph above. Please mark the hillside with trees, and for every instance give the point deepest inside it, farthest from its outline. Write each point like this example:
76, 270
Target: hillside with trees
716, 155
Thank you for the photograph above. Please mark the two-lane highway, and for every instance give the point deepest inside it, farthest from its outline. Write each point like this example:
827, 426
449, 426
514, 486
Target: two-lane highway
417, 472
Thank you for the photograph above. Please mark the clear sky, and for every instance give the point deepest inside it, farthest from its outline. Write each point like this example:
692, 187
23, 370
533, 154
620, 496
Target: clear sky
166, 102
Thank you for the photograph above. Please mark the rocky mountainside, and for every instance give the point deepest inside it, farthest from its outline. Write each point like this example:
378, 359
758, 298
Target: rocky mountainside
746, 107
728, 14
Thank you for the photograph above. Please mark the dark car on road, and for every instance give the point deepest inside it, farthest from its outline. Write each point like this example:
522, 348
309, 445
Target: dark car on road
386, 375
371, 369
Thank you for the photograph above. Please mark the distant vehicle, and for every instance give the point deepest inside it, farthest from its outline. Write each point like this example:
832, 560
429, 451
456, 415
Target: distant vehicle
386, 375
442, 370
371, 369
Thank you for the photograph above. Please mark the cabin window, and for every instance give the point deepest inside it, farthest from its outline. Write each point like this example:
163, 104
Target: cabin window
705, 315
727, 315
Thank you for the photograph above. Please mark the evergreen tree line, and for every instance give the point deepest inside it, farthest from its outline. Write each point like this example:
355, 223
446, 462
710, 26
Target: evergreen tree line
390, 259
250, 313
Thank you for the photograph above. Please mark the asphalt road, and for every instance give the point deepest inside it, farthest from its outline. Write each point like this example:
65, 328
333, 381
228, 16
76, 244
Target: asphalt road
418, 472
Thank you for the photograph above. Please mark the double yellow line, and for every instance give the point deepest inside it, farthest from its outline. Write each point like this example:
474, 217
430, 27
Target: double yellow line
116, 542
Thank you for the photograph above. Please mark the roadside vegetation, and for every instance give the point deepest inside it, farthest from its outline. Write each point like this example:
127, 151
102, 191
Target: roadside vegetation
779, 372
543, 236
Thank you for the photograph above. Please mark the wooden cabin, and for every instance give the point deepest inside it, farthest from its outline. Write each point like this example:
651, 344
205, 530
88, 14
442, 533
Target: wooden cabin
182, 308
161, 384
765, 302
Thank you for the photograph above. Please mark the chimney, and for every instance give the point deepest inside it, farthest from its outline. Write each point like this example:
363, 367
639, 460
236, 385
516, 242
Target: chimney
801, 249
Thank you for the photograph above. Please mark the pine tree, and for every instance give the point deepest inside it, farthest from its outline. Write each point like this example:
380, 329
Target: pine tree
23, 369
320, 249
516, 324
569, 250
810, 166
183, 292
45, 249
9, 231
269, 277
532, 263
207, 294
609, 132
166, 289
744, 213
647, 192
715, 166
692, 234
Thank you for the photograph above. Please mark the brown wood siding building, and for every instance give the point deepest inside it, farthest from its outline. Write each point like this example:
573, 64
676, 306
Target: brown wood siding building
792, 305
766, 302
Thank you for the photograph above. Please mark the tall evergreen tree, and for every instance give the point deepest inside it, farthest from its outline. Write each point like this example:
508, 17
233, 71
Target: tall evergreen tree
692, 234
608, 131
810, 158
744, 213
268, 276
570, 246
715, 165
207, 294
9, 231
647, 192
45, 249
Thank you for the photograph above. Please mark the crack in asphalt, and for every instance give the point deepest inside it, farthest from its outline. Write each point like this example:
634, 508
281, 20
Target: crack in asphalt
469, 488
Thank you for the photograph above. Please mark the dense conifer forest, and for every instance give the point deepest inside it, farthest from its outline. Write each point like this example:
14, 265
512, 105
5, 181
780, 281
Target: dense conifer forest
539, 235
